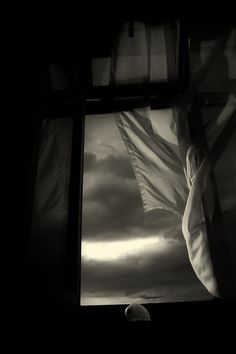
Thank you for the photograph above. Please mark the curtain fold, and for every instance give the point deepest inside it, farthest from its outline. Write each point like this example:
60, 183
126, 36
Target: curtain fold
206, 248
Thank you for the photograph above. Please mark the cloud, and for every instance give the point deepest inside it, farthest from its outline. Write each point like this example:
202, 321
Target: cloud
151, 276
112, 205
138, 271
102, 136
118, 166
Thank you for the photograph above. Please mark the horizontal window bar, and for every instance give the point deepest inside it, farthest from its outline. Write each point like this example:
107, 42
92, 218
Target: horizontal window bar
59, 104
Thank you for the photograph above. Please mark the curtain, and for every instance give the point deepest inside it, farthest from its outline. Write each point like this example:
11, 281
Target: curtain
183, 156
50, 213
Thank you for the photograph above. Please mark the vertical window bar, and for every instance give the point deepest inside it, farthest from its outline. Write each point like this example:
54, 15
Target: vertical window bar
73, 253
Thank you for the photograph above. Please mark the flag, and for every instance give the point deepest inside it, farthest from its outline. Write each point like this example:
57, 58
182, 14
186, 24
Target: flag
155, 157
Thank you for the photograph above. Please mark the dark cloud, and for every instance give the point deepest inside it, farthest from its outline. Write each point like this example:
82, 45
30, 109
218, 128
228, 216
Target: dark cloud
118, 166
149, 276
89, 162
137, 271
113, 205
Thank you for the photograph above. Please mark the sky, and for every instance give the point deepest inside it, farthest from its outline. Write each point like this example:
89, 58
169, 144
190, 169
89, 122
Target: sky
127, 255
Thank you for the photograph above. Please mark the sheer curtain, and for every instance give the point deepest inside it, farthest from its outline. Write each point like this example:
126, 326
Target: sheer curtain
50, 213
183, 156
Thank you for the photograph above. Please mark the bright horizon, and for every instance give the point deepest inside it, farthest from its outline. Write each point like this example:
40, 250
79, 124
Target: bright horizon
114, 250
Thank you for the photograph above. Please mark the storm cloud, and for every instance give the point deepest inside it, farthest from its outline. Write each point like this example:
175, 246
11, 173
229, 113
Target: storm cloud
150, 276
112, 203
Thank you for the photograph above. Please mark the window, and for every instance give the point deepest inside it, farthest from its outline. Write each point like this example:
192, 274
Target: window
128, 255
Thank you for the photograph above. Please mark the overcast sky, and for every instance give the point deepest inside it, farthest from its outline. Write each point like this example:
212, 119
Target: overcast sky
127, 255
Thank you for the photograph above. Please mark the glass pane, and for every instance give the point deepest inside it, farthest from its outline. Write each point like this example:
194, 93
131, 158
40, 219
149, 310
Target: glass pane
101, 71
213, 61
158, 55
128, 255
150, 55
132, 55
